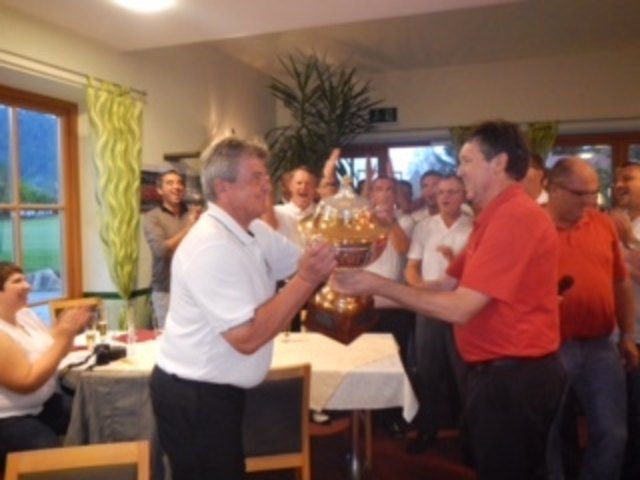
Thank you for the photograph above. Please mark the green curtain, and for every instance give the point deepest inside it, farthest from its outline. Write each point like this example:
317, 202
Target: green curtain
541, 137
459, 135
115, 117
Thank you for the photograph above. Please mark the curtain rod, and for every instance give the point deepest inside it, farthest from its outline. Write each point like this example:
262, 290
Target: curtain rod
26, 64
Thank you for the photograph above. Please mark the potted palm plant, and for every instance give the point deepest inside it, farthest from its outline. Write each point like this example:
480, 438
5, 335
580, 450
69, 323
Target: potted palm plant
328, 106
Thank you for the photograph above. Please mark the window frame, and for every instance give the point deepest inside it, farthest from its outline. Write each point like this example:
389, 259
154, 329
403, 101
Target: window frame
69, 172
619, 142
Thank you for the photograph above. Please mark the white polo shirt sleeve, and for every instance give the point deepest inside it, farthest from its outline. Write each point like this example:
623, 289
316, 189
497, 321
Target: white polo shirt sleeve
418, 238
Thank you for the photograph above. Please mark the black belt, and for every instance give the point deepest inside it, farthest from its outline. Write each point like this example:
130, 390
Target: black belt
509, 361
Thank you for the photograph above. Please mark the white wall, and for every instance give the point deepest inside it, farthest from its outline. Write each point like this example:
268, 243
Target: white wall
196, 93
191, 96
597, 87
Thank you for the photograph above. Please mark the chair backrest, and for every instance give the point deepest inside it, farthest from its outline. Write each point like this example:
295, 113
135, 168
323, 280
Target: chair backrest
276, 422
107, 461
94, 303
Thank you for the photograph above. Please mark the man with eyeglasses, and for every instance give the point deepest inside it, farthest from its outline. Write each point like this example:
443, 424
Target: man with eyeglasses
224, 314
434, 243
600, 297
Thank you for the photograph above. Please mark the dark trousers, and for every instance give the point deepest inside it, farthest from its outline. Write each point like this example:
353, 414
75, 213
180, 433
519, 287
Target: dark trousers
439, 373
33, 432
510, 406
200, 427
400, 323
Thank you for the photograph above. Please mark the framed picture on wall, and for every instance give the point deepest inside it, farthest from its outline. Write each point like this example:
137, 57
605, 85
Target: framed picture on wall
149, 197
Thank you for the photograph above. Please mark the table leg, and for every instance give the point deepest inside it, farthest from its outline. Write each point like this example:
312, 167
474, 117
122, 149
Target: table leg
368, 439
361, 455
356, 464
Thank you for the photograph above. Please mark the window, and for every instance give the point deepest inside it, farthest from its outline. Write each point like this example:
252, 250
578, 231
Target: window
409, 162
39, 208
605, 152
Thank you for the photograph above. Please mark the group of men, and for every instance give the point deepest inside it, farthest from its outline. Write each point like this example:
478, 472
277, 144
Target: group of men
522, 346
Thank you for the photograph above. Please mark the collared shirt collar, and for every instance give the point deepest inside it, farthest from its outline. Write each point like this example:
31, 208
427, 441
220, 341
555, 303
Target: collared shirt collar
300, 212
503, 197
584, 220
183, 209
229, 223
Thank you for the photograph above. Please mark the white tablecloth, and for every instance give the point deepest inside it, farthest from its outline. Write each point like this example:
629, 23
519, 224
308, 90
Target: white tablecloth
366, 374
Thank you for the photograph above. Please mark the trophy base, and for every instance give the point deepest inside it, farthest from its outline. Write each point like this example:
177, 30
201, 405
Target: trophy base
343, 318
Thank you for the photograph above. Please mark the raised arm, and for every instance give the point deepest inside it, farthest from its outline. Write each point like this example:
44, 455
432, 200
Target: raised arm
456, 306
315, 265
25, 376
331, 165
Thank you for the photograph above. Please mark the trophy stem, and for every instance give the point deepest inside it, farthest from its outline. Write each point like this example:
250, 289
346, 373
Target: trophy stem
341, 317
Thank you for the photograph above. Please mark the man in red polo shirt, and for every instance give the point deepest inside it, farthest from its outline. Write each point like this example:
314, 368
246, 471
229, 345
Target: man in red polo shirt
500, 294
600, 298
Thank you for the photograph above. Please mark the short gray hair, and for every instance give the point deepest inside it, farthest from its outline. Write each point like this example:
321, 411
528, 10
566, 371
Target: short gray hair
220, 161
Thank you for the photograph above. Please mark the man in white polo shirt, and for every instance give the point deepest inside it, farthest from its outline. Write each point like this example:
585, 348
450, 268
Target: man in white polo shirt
224, 314
435, 240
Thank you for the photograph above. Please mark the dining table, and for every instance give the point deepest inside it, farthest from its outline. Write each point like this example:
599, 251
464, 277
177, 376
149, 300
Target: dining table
112, 401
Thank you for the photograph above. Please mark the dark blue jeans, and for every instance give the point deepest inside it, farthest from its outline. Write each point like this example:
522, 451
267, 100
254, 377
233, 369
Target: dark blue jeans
33, 432
596, 375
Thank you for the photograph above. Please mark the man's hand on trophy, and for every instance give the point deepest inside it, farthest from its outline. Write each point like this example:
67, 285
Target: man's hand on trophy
317, 262
355, 282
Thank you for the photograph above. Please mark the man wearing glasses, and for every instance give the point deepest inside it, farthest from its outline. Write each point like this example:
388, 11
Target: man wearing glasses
434, 243
600, 297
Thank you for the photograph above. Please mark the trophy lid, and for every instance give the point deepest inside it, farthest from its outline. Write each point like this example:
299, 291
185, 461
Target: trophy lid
345, 219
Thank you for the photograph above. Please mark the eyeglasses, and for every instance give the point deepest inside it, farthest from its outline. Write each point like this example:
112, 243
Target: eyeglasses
578, 193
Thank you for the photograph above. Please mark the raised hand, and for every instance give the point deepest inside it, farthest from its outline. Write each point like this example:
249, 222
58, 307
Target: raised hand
70, 322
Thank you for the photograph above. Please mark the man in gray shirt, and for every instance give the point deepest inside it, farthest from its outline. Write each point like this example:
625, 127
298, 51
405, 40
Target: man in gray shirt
164, 228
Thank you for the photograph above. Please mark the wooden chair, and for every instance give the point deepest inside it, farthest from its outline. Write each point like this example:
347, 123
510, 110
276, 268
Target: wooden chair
107, 461
276, 422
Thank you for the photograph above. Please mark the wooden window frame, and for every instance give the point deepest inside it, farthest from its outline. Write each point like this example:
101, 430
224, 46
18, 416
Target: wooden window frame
68, 114
619, 142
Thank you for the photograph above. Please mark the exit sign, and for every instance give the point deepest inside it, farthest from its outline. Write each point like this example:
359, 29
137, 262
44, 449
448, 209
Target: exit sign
383, 115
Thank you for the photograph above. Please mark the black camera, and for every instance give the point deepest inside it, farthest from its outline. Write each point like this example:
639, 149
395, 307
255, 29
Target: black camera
106, 353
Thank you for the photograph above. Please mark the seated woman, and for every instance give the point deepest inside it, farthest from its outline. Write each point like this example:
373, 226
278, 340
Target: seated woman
32, 414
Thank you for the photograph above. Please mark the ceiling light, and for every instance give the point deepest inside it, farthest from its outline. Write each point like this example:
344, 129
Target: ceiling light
146, 6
